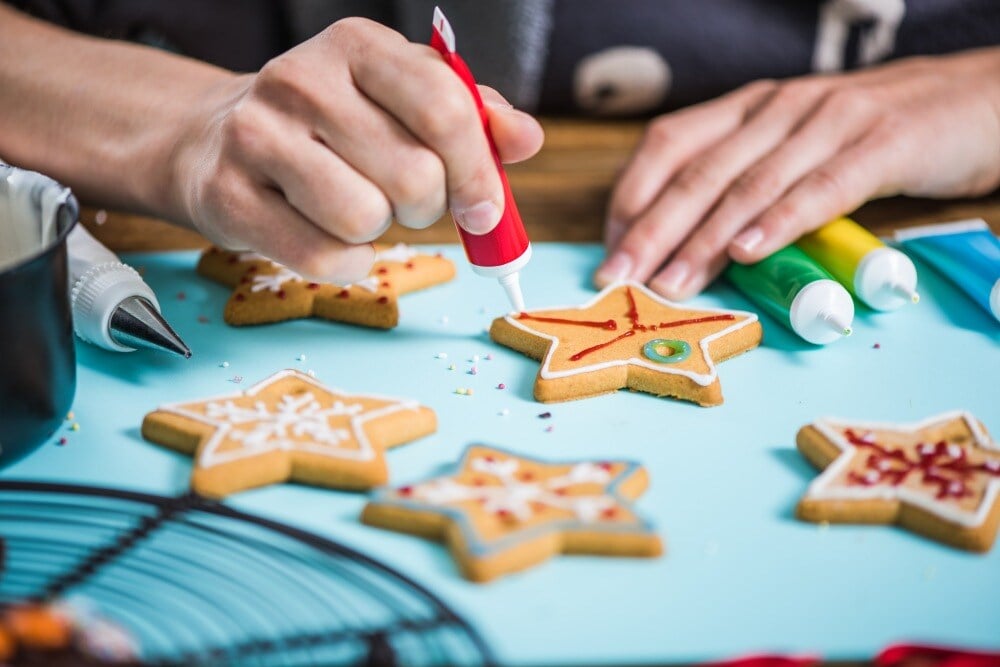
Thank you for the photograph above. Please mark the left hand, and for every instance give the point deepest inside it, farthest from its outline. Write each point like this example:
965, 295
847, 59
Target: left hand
744, 175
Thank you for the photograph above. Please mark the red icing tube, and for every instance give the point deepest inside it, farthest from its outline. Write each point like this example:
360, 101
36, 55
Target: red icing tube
505, 250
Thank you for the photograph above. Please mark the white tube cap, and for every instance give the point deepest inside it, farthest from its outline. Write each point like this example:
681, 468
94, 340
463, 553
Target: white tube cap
822, 312
886, 279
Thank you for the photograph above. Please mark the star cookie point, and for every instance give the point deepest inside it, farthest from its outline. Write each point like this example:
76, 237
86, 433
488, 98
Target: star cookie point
288, 427
629, 337
500, 512
939, 478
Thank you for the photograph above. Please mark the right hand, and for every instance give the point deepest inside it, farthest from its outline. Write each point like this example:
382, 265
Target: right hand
310, 159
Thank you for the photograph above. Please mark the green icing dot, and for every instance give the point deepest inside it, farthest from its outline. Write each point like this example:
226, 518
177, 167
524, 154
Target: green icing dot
666, 351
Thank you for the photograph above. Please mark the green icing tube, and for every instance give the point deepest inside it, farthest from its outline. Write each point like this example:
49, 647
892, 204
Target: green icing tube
795, 290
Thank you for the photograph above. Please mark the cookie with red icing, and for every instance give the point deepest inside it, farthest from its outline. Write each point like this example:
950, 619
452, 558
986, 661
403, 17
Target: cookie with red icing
629, 337
939, 477
501, 512
265, 291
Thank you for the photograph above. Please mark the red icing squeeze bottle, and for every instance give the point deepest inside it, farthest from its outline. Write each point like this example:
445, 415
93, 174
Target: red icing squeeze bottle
505, 250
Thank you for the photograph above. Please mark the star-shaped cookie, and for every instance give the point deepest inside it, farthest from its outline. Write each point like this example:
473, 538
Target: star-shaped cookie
287, 428
500, 512
268, 292
627, 336
939, 477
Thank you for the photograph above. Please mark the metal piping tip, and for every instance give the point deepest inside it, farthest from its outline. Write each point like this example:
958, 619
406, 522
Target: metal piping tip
136, 323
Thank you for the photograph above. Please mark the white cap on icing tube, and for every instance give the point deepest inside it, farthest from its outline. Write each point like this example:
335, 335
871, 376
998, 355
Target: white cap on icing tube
886, 279
822, 312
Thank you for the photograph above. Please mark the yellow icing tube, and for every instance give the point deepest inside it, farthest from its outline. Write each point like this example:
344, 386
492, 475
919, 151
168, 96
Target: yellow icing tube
882, 277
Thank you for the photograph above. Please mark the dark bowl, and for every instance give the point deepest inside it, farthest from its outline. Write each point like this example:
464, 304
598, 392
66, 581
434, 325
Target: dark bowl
37, 357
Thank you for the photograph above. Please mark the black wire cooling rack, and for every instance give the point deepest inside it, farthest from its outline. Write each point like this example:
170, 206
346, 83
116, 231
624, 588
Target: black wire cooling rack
199, 583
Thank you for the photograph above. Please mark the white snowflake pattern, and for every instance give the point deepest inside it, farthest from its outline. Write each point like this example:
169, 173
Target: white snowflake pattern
397, 253
370, 283
515, 497
300, 416
274, 282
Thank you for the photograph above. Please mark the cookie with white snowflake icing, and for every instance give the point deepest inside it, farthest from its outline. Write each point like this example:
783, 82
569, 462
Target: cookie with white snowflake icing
629, 337
939, 477
288, 427
501, 512
265, 291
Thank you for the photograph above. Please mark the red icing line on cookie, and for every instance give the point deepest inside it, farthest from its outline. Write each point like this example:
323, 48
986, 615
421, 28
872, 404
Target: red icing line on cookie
935, 462
609, 325
582, 353
694, 320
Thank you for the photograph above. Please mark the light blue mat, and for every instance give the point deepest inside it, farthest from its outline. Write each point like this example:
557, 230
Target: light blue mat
740, 573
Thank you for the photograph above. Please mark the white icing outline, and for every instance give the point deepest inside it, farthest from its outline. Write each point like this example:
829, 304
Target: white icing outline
273, 282
824, 488
400, 252
208, 457
371, 283
699, 378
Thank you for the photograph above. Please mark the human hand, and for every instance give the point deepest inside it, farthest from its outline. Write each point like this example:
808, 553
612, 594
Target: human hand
310, 159
744, 175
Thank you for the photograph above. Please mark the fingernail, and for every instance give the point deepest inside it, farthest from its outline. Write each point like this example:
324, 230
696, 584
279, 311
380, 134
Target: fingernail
673, 279
749, 239
615, 269
478, 219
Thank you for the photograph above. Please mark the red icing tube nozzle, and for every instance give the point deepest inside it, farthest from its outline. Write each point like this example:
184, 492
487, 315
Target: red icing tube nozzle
504, 251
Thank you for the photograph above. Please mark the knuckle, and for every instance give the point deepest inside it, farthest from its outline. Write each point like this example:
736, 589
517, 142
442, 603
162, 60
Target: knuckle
420, 177
449, 115
758, 185
364, 220
219, 195
659, 133
829, 182
698, 176
852, 101
799, 90
758, 87
350, 29
243, 130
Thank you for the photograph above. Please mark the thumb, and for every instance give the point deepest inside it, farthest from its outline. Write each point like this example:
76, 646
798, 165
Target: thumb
518, 135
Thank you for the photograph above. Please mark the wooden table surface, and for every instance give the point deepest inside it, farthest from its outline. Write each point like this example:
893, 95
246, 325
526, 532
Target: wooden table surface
562, 194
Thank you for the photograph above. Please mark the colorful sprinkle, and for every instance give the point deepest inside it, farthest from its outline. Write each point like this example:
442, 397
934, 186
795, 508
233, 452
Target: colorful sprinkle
62, 441
504, 412
501, 386
181, 296
545, 415
475, 358
237, 379
468, 392
461, 391
489, 357
473, 371
203, 319
877, 346
301, 357
75, 426
69, 416
444, 319
101, 217
451, 367
224, 364
549, 429
441, 355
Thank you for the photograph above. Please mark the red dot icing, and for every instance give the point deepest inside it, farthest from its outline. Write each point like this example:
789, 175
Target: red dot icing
406, 490
312, 286
409, 265
240, 297
383, 299
382, 271
343, 294
280, 294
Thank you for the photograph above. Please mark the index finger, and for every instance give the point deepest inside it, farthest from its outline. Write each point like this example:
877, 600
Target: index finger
414, 84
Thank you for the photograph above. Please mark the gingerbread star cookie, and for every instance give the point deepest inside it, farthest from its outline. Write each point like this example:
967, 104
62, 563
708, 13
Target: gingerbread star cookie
500, 512
268, 292
939, 477
287, 428
629, 337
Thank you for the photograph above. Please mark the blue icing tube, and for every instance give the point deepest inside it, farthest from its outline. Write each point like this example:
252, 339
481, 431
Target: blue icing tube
965, 252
